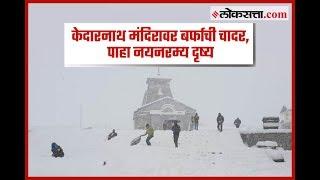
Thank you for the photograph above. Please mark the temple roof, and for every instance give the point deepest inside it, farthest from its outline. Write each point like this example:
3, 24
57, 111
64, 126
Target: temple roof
161, 99
158, 80
284, 109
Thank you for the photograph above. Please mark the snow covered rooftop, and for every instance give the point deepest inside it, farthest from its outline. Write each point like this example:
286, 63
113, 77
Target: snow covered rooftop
167, 97
155, 101
158, 80
284, 109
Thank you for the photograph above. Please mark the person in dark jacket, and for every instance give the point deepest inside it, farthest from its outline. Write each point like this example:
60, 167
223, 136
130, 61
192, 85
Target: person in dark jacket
176, 131
196, 121
56, 150
237, 122
220, 120
112, 134
150, 133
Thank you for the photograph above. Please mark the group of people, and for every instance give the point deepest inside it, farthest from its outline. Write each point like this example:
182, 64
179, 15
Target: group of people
220, 120
175, 129
57, 151
195, 122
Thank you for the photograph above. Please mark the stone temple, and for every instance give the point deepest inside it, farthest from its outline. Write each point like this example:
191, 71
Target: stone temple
160, 109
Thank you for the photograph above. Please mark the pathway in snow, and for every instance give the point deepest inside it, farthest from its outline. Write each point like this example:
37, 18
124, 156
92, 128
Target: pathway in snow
200, 153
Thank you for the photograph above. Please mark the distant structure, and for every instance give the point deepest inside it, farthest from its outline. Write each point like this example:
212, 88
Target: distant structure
270, 122
285, 118
160, 109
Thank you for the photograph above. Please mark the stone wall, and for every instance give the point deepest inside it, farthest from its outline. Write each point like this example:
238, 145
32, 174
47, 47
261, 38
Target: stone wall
282, 138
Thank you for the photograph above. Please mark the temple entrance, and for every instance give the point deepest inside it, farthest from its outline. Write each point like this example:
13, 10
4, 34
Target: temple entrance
167, 124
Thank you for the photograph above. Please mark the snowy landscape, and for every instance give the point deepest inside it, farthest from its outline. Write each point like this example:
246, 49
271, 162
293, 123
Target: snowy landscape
246, 151
206, 152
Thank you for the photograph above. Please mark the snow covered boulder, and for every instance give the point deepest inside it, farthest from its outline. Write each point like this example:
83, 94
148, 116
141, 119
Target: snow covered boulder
267, 144
275, 155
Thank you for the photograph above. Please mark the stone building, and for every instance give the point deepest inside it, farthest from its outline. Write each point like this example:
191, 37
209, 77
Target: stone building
285, 118
160, 109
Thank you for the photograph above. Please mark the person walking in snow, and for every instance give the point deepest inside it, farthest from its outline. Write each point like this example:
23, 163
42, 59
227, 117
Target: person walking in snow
56, 150
220, 120
150, 133
237, 122
196, 121
112, 134
176, 131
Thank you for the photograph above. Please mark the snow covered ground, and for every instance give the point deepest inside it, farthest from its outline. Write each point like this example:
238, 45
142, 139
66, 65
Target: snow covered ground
206, 152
